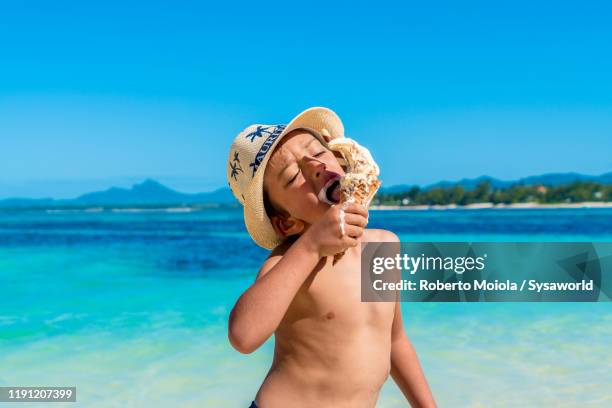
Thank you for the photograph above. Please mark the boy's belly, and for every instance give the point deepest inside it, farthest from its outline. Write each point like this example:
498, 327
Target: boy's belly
336, 361
347, 373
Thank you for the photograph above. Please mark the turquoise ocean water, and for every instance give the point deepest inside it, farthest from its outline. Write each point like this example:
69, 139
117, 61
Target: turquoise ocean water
132, 307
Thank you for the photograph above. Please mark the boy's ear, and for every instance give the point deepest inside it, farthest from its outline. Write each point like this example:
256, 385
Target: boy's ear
286, 226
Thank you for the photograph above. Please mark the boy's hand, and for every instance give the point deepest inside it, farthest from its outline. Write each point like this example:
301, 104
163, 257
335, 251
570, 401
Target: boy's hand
326, 234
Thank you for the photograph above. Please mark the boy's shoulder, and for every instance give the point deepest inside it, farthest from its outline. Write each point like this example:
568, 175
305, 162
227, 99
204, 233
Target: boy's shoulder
379, 235
280, 250
370, 235
274, 257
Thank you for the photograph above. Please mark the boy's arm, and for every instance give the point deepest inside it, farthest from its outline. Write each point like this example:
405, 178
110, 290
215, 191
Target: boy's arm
260, 309
405, 367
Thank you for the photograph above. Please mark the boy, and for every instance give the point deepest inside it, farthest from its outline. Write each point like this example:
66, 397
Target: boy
331, 349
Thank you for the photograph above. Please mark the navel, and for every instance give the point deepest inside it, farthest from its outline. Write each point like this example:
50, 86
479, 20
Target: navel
330, 315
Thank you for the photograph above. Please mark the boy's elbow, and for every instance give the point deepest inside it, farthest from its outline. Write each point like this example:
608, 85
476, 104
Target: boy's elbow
239, 338
241, 343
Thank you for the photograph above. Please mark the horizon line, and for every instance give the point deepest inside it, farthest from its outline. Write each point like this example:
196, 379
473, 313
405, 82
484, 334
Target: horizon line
225, 187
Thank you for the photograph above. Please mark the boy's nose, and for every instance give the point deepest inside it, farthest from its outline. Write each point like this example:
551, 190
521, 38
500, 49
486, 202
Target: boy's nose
312, 167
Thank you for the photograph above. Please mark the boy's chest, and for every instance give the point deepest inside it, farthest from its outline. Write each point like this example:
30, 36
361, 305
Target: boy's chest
334, 292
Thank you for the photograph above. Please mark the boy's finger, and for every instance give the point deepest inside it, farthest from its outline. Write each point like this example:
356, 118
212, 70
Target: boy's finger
350, 241
353, 231
355, 208
357, 233
356, 219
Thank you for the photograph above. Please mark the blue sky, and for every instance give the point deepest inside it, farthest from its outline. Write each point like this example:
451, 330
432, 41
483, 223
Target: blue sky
94, 95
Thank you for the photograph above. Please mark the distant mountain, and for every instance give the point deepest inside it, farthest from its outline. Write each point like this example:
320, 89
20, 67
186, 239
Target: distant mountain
147, 193
467, 184
551, 179
555, 179
152, 193
470, 184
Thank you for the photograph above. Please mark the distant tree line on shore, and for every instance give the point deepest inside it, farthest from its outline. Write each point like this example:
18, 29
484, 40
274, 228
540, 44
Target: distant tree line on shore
484, 193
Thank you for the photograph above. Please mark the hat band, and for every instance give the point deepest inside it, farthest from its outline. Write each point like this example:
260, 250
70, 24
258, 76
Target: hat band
265, 147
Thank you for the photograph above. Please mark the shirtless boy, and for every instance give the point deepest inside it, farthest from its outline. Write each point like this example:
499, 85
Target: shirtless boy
331, 349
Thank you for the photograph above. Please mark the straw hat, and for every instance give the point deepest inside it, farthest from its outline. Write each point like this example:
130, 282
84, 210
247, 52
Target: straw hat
249, 157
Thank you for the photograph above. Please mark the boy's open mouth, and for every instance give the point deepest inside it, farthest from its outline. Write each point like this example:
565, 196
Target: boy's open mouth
330, 193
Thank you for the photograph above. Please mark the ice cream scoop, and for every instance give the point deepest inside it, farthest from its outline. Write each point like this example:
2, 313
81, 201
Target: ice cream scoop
360, 182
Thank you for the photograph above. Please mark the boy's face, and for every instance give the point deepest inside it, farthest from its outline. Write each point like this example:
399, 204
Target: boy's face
302, 177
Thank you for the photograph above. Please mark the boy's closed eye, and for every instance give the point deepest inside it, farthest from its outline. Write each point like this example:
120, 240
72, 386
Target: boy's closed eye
297, 173
293, 178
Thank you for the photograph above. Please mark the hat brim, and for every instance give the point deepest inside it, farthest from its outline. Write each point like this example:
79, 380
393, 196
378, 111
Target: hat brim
259, 226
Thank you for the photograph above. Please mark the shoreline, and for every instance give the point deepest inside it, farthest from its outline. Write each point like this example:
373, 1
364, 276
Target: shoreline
197, 208
491, 206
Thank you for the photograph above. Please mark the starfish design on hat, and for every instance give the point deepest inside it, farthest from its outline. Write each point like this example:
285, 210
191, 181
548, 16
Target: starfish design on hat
235, 166
259, 132
235, 170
